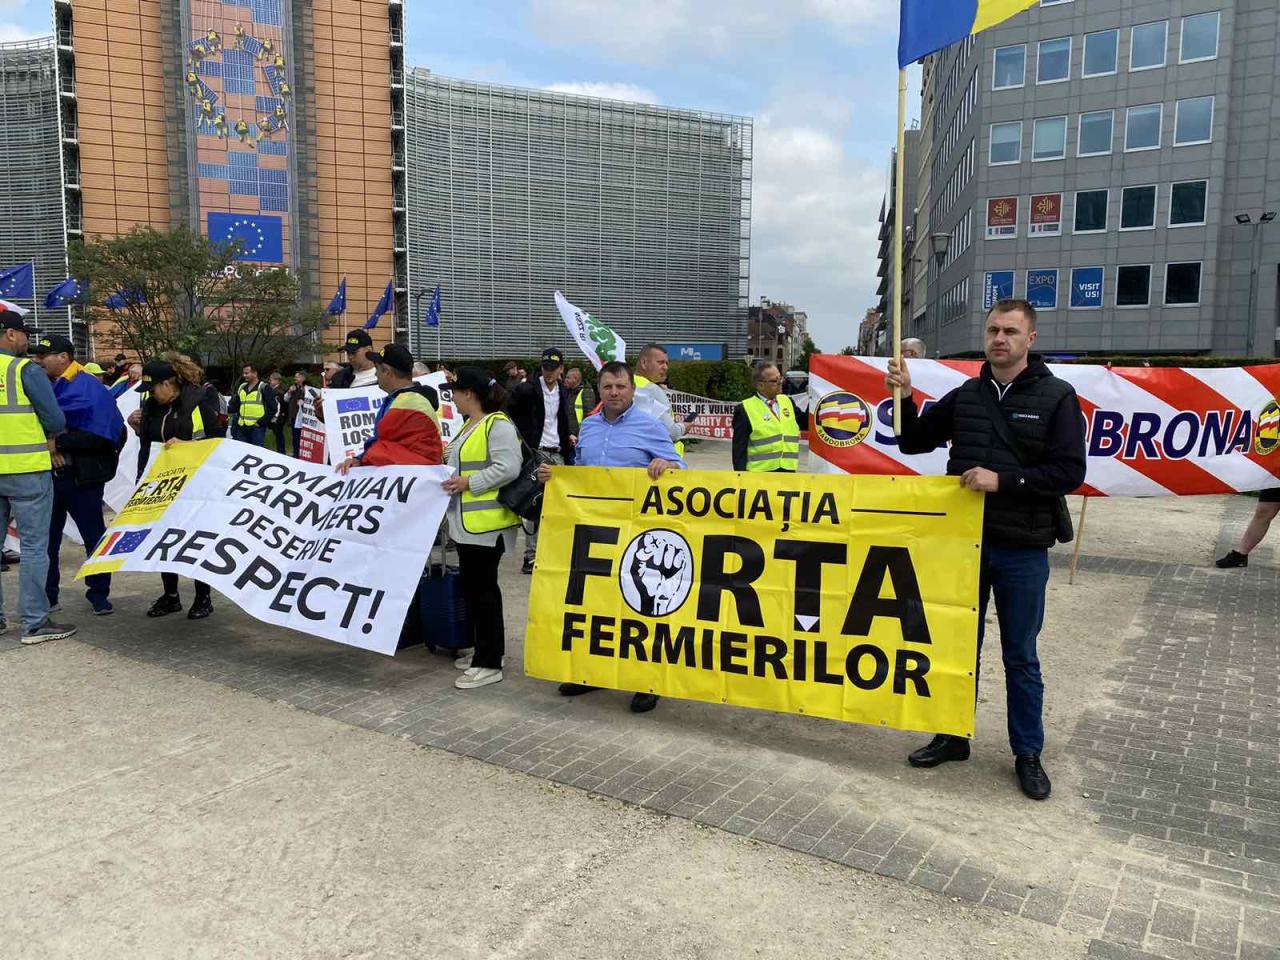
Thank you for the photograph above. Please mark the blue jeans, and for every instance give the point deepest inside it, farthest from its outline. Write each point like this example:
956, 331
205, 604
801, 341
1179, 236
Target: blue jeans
1018, 577
255, 435
84, 506
28, 499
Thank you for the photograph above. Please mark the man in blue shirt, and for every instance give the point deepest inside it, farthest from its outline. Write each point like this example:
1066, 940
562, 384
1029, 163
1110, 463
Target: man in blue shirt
621, 436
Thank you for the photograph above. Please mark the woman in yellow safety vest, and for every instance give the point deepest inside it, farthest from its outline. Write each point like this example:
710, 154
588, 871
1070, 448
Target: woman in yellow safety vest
486, 456
176, 408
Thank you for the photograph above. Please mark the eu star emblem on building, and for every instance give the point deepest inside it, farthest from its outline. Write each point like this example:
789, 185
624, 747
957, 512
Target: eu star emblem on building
260, 238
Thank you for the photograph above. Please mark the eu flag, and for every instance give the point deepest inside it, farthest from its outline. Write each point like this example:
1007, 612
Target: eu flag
383, 306
130, 542
261, 238
338, 305
18, 281
354, 405
67, 292
433, 311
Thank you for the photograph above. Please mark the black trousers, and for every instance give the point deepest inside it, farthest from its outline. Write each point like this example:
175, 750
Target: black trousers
478, 570
170, 581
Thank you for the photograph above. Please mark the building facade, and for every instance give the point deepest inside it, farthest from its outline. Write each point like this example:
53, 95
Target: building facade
31, 215
1100, 158
888, 288
639, 214
272, 122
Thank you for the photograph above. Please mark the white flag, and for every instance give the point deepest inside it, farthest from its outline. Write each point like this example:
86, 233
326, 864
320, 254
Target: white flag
600, 344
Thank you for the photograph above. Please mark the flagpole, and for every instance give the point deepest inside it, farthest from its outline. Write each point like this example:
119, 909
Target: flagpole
899, 271
35, 295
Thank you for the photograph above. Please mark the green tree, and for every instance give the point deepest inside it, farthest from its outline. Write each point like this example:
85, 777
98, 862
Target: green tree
807, 349
179, 291
848, 352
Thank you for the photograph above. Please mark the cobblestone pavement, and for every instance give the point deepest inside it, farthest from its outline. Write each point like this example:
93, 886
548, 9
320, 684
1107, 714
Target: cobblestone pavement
1169, 790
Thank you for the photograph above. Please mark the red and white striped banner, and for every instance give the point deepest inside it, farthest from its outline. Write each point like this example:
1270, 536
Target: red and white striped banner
1150, 431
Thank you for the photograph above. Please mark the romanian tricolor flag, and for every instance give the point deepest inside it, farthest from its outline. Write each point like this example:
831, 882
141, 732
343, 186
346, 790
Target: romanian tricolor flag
930, 25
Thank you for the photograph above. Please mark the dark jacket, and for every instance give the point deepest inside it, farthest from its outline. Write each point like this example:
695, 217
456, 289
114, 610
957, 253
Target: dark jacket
175, 421
1044, 418
527, 411
343, 378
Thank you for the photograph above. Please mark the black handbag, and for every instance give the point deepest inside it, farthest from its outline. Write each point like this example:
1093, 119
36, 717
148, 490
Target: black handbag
523, 495
1064, 530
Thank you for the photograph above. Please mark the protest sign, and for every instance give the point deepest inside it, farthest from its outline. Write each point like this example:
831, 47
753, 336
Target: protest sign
1149, 431
715, 417
349, 415
801, 594
311, 438
289, 542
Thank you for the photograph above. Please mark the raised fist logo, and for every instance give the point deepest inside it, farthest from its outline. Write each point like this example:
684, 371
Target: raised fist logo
656, 573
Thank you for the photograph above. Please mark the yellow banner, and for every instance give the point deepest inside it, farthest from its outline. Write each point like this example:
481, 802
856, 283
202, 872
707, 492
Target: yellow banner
170, 470
847, 597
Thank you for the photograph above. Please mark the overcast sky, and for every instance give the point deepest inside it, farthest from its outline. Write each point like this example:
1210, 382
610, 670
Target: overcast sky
818, 77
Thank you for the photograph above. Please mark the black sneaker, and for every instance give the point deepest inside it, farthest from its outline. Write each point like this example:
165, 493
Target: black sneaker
527, 569
941, 749
202, 607
1234, 558
575, 689
643, 702
1031, 776
167, 604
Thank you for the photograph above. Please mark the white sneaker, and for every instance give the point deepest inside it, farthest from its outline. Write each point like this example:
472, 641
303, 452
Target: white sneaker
464, 663
477, 677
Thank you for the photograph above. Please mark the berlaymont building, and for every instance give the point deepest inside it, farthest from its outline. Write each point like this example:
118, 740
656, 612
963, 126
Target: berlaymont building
296, 127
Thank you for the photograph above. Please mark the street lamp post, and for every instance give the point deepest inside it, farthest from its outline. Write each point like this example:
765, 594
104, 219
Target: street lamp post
1246, 220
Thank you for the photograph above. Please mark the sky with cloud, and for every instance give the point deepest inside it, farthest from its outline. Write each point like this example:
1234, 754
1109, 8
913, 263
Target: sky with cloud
817, 76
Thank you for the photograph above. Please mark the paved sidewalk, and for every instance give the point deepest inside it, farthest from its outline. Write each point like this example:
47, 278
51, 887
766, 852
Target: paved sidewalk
1163, 835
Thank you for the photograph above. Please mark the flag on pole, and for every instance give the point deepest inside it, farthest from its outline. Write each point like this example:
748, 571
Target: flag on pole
123, 298
433, 311
383, 306
338, 305
600, 344
927, 26
19, 281
69, 291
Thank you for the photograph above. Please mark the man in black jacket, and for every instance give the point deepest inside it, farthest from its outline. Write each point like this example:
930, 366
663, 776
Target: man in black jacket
86, 458
1017, 435
542, 412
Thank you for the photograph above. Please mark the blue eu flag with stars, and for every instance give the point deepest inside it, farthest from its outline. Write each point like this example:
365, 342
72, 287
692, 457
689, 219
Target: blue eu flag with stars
18, 282
383, 306
338, 305
261, 238
69, 291
433, 311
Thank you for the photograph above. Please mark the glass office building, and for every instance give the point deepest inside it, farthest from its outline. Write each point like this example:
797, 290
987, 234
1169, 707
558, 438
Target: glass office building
640, 214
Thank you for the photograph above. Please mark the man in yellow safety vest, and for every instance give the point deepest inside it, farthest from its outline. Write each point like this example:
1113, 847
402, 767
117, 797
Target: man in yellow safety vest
253, 404
30, 420
766, 432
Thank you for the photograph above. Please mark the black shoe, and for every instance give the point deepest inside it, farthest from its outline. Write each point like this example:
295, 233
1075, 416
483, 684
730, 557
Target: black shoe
166, 605
575, 689
1031, 776
527, 569
643, 702
200, 609
1234, 558
941, 749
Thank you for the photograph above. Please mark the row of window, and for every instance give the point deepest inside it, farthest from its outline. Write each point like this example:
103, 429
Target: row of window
1148, 50
955, 302
1187, 208
959, 120
1095, 132
956, 183
1182, 283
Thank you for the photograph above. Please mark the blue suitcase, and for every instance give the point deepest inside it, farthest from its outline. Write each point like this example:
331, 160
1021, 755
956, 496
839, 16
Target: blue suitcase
442, 613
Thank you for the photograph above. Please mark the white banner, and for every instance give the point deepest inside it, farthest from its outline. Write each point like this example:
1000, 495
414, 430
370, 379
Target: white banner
597, 342
349, 415
289, 542
715, 417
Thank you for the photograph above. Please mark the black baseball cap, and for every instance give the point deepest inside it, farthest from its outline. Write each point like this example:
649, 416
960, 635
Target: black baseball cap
157, 371
52, 343
476, 380
10, 320
355, 340
394, 355
552, 358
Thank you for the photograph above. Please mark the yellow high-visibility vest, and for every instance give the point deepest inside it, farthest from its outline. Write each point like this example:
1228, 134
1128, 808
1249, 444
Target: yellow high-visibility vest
252, 407
481, 512
775, 441
23, 445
